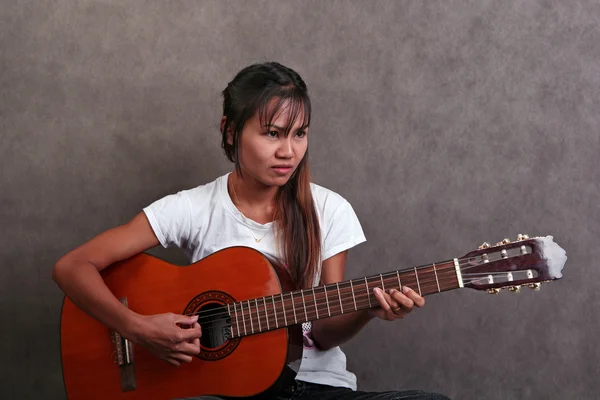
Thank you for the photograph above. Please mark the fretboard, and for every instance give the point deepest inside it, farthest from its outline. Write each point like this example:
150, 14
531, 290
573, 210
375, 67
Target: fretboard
273, 312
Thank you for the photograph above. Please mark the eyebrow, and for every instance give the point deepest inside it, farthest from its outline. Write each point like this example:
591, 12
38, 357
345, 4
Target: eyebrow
281, 128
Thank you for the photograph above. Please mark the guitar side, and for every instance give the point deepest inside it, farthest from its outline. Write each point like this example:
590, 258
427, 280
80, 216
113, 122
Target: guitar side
152, 286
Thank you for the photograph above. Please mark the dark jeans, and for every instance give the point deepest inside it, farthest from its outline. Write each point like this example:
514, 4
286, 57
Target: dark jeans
312, 391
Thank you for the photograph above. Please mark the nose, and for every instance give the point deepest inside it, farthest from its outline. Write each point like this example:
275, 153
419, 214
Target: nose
285, 148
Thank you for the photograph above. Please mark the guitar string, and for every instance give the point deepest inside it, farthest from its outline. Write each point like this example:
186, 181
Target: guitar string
439, 269
345, 286
361, 302
358, 282
310, 305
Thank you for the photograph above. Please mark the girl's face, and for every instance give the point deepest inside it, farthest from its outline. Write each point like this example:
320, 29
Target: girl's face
269, 155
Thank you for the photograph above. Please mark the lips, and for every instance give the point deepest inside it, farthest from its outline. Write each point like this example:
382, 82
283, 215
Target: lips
282, 169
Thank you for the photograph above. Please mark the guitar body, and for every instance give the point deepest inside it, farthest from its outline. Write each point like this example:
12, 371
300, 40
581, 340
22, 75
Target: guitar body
238, 368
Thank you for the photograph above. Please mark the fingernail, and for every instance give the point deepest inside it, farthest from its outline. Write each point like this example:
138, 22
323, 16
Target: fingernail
376, 290
406, 289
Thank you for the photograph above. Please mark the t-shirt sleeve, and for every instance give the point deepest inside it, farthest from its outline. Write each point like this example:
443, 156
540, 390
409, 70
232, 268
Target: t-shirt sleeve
170, 218
342, 231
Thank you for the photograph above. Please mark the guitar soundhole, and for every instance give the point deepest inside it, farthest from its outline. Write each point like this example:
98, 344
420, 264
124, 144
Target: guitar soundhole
215, 321
216, 325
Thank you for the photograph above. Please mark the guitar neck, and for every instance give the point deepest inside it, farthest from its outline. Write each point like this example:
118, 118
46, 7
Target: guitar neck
281, 310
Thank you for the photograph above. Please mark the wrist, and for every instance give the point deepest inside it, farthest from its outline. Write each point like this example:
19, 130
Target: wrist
131, 325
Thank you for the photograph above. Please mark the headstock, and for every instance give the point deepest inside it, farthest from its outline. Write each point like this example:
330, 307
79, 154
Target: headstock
525, 262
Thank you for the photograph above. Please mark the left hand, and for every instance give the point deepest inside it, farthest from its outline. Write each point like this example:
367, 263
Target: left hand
395, 304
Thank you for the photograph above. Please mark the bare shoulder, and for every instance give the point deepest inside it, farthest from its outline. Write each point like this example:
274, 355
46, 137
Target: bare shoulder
115, 244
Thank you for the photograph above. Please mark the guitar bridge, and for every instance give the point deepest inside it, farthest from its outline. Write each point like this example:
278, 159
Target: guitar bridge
124, 358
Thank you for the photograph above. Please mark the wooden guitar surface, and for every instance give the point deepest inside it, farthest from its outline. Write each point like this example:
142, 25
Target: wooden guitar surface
153, 286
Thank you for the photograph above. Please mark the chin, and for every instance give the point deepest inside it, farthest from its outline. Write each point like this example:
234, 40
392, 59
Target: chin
280, 180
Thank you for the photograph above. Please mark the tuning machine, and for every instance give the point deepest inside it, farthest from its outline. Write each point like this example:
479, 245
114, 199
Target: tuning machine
493, 291
504, 241
521, 237
514, 289
535, 286
484, 245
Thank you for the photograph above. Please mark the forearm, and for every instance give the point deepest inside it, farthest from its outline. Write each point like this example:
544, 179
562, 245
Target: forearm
331, 332
84, 285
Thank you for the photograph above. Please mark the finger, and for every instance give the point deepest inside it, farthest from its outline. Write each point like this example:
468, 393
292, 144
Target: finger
196, 343
414, 296
391, 300
172, 362
181, 319
188, 348
181, 357
398, 310
380, 296
194, 332
404, 301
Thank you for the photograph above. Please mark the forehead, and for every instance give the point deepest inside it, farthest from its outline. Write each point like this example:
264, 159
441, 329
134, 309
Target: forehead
284, 113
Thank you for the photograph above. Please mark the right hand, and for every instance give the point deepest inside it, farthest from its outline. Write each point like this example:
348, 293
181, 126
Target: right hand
162, 335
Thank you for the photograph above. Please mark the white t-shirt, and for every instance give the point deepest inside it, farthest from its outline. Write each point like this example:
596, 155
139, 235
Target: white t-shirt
204, 220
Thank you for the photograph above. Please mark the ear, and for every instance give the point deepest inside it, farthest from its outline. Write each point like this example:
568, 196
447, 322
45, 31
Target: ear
229, 133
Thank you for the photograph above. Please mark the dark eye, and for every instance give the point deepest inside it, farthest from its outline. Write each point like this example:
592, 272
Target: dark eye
272, 133
301, 134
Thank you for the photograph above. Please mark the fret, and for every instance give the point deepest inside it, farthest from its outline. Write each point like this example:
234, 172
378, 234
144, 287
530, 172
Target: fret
436, 278
304, 304
250, 314
284, 313
245, 330
275, 312
315, 301
243, 319
258, 315
418, 284
353, 298
266, 312
340, 297
327, 301
294, 307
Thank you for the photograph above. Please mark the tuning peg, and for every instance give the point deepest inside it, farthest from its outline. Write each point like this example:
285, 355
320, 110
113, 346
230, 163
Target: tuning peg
535, 286
514, 289
484, 245
504, 241
522, 237
493, 291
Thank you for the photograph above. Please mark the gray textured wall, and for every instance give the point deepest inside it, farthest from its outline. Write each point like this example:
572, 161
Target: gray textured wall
445, 123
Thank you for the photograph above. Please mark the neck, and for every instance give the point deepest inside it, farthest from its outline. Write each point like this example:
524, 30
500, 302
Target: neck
252, 196
285, 309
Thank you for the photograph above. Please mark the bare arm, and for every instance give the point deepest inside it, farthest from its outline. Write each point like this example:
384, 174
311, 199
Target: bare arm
334, 331
78, 272
78, 275
331, 332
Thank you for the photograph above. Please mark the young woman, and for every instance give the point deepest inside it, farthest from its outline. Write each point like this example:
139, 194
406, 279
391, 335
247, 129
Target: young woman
266, 203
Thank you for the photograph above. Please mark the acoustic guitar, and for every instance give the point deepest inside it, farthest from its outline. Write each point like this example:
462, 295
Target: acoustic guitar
251, 316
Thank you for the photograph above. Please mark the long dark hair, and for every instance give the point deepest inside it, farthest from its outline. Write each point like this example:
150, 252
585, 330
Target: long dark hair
251, 91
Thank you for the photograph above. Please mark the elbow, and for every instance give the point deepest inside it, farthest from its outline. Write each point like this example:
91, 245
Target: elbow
323, 346
59, 270
320, 338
